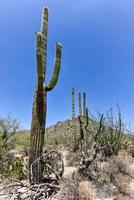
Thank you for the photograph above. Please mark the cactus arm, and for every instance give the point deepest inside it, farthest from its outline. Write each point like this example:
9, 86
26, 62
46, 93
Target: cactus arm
39, 58
44, 30
44, 22
55, 75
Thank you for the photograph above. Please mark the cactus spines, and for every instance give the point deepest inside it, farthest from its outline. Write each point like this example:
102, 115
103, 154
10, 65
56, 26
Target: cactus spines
40, 99
80, 108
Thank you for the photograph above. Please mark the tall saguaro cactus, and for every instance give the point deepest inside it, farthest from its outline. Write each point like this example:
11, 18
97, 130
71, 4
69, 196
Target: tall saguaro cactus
79, 100
84, 104
40, 99
73, 104
73, 118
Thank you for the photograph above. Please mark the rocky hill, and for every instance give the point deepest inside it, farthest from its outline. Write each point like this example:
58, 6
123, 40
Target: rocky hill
63, 127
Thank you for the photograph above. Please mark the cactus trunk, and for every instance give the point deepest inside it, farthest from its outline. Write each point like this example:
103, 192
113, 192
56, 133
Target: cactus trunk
84, 104
73, 104
79, 99
40, 100
37, 134
73, 119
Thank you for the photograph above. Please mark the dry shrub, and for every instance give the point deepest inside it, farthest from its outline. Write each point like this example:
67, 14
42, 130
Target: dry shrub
73, 158
85, 190
119, 173
69, 191
131, 145
131, 151
110, 177
122, 184
120, 197
75, 191
119, 165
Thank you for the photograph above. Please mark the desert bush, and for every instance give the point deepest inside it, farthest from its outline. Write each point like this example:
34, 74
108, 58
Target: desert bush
119, 165
120, 197
118, 172
112, 176
106, 131
75, 190
131, 151
111, 136
8, 127
73, 158
85, 190
112, 142
68, 191
131, 146
12, 167
90, 165
21, 142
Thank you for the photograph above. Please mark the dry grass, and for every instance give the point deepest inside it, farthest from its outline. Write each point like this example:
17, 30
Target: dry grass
120, 197
85, 190
75, 191
117, 170
73, 158
69, 191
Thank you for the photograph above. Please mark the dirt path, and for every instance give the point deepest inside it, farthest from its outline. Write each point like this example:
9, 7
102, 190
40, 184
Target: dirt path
68, 170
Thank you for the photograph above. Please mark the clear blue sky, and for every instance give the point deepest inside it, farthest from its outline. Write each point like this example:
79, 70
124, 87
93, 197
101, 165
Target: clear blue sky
98, 55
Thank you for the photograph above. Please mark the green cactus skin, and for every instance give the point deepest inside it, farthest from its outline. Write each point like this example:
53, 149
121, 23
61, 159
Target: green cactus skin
79, 100
86, 126
40, 98
84, 104
73, 119
84, 122
73, 104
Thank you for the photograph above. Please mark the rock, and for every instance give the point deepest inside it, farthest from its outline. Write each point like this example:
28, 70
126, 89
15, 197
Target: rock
22, 190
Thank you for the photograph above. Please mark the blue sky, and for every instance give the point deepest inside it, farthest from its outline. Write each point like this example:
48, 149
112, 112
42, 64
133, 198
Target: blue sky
98, 55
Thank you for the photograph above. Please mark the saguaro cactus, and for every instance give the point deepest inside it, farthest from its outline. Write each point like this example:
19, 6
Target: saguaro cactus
73, 104
79, 100
84, 104
40, 99
74, 119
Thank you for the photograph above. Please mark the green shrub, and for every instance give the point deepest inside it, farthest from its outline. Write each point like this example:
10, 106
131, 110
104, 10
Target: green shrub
8, 127
112, 142
131, 144
21, 141
12, 166
112, 137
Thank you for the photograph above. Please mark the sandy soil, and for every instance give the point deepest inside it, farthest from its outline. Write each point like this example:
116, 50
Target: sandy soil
68, 170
